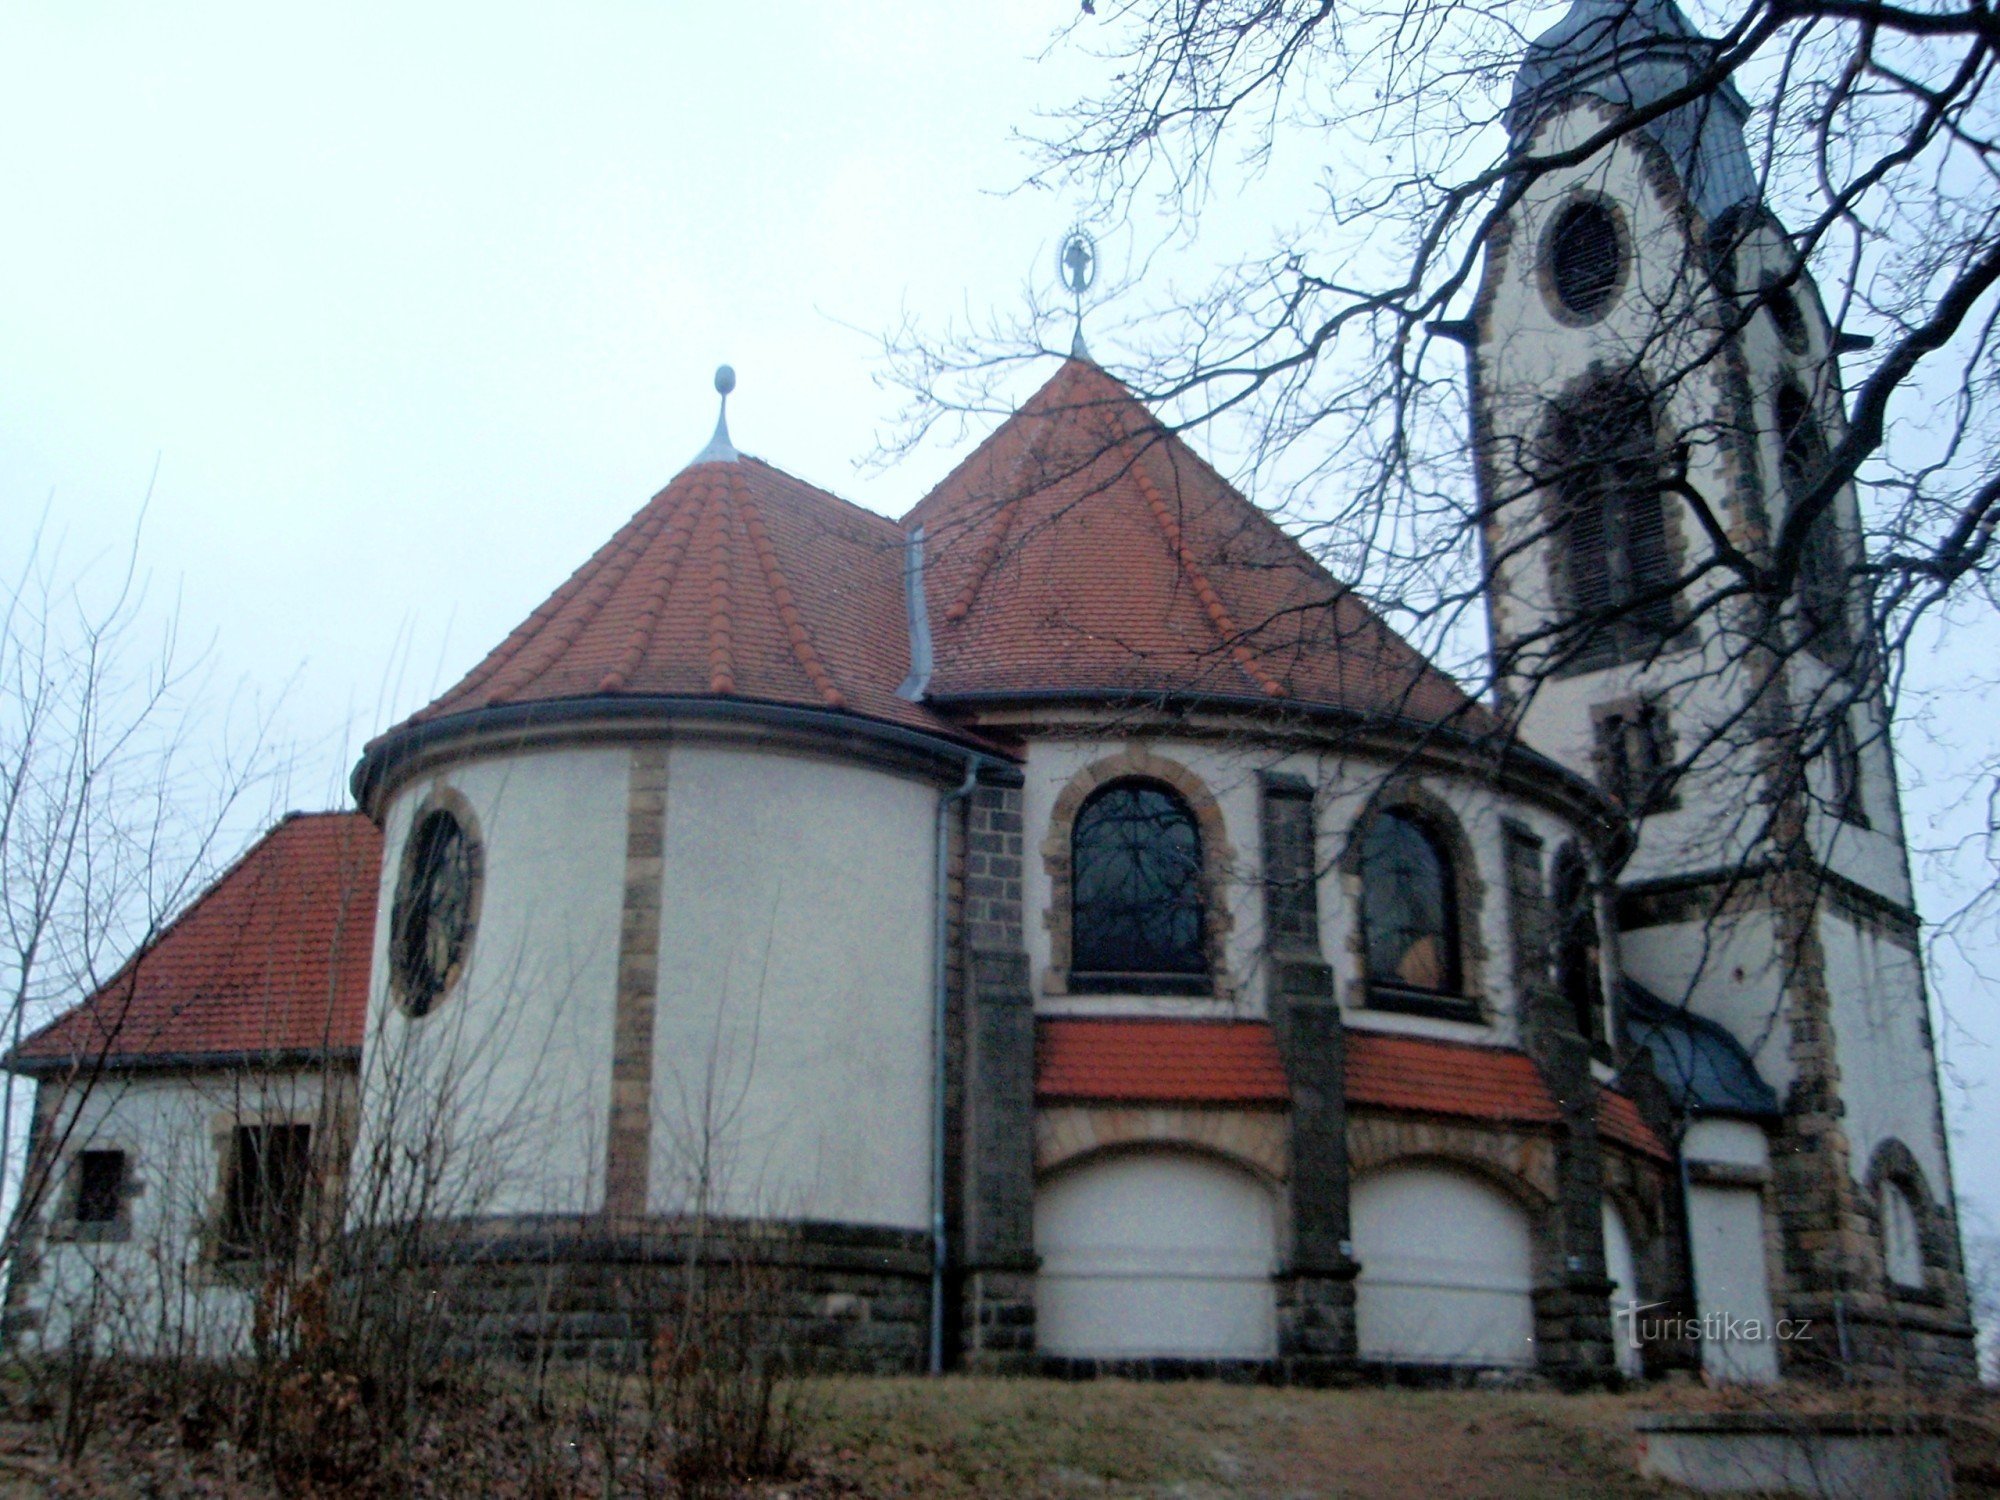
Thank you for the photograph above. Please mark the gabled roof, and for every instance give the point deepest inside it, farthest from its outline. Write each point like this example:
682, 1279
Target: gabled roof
271, 959
1085, 549
735, 581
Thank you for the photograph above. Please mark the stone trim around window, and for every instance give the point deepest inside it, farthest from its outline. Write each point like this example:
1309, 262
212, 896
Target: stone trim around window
1217, 856
317, 1210
1403, 795
64, 1227
1894, 1163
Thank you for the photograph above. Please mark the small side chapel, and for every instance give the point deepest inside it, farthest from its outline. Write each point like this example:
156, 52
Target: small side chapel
1067, 929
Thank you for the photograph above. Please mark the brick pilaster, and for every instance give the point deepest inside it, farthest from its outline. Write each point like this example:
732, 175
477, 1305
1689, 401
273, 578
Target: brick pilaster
1316, 1288
997, 1143
1572, 1307
628, 1136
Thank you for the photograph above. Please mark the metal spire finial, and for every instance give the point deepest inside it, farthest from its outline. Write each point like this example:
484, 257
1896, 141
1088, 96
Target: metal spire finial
1076, 264
720, 449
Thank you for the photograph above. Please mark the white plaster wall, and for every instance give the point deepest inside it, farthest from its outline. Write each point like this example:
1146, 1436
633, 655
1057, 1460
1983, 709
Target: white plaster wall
507, 1080
152, 1291
1621, 1269
1732, 1284
1729, 971
792, 1044
1156, 1254
1447, 1269
1733, 1143
1344, 786
1888, 1077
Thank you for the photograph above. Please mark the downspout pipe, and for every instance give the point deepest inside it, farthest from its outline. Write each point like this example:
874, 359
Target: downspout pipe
940, 1005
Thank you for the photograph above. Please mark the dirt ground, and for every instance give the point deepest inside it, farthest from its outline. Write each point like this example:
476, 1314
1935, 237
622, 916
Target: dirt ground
1028, 1440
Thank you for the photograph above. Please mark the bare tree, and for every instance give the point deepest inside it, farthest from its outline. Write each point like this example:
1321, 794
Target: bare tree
1329, 362
123, 785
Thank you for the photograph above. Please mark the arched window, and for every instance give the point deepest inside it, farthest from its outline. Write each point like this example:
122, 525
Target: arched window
1138, 915
1822, 582
1602, 459
1409, 909
1577, 974
1902, 1243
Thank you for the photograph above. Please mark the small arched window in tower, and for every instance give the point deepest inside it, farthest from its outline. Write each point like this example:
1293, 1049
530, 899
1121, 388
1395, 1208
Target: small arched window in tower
1843, 756
1586, 258
1822, 576
1902, 1242
1409, 909
1578, 977
1137, 913
1783, 305
1602, 458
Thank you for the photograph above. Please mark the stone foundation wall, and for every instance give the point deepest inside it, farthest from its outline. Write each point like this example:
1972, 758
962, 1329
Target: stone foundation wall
835, 1297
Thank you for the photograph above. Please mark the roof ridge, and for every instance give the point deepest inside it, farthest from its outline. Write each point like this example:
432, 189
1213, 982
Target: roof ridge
721, 600
504, 653
822, 491
590, 601
1006, 514
1228, 634
679, 535
803, 648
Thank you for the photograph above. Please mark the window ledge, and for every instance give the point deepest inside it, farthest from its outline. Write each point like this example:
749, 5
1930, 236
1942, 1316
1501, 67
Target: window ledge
1195, 985
1423, 1003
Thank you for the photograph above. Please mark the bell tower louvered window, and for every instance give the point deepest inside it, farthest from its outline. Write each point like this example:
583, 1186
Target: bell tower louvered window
1603, 463
1822, 574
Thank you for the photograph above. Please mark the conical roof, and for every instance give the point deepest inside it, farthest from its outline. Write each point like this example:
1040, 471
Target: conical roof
1085, 549
736, 581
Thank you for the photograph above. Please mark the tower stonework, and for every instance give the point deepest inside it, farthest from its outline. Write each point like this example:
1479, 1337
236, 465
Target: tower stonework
1653, 378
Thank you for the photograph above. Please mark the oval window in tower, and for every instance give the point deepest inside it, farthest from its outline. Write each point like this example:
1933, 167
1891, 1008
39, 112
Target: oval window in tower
1586, 258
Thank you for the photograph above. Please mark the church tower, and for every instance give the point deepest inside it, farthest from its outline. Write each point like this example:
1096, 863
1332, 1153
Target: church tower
1655, 386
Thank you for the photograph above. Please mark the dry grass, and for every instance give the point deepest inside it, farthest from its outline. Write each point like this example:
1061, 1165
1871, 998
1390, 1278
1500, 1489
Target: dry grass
1024, 1440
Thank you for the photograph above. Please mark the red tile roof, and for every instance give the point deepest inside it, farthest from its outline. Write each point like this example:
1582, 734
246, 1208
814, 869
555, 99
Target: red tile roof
1486, 1083
1236, 1062
1194, 1062
273, 957
1446, 1078
1081, 549
735, 581
1618, 1119
1084, 548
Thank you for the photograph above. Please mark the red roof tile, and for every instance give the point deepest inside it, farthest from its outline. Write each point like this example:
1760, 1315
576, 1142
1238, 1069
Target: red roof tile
273, 957
736, 580
1236, 1062
1618, 1119
1446, 1078
1084, 548
1195, 1062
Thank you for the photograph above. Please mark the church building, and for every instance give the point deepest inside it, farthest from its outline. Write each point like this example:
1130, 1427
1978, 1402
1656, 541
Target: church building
1067, 929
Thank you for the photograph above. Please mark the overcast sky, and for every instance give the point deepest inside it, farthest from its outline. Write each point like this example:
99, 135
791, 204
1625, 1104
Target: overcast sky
412, 307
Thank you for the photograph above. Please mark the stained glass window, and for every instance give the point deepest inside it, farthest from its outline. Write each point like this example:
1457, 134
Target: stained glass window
1137, 881
1409, 912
